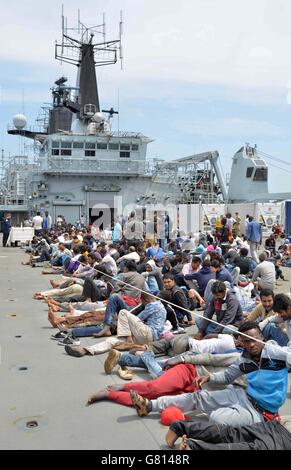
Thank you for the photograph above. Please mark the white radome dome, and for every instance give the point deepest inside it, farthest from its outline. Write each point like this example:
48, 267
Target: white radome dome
98, 117
19, 121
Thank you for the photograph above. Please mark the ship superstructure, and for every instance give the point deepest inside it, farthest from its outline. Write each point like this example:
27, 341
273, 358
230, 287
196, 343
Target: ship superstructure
81, 161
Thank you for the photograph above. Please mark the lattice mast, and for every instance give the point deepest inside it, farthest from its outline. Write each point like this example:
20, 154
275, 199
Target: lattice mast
87, 47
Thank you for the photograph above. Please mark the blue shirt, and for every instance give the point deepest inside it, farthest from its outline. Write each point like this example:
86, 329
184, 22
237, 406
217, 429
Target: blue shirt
154, 316
202, 277
254, 232
224, 275
6, 225
117, 232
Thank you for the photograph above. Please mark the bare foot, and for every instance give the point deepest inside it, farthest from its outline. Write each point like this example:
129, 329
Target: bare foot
171, 438
53, 319
54, 308
54, 284
51, 300
114, 387
102, 333
101, 395
38, 296
71, 310
184, 445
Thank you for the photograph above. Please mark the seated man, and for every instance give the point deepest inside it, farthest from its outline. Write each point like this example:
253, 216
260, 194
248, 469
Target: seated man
270, 244
265, 308
61, 255
192, 267
146, 326
265, 394
222, 274
178, 297
271, 325
244, 263
202, 277
153, 277
142, 328
227, 309
265, 273
125, 295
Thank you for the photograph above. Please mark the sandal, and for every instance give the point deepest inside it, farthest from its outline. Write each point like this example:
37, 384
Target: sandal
139, 403
125, 373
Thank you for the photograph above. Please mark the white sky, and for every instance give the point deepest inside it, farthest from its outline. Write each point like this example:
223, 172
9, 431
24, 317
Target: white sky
176, 54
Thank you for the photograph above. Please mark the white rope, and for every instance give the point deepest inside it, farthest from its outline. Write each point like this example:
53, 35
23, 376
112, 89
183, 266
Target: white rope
184, 309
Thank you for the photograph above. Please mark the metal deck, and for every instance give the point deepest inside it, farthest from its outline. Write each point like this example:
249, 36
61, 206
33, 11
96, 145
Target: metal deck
54, 388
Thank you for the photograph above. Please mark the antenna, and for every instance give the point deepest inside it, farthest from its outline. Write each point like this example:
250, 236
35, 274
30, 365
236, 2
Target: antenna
23, 106
120, 37
105, 52
63, 28
104, 28
118, 109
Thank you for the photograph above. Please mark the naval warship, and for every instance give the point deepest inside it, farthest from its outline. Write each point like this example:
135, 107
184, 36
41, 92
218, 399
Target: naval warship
80, 162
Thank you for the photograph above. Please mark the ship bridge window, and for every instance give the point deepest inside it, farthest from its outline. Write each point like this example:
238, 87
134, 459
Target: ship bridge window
250, 170
66, 153
78, 145
113, 146
102, 146
90, 146
66, 145
90, 153
259, 162
125, 147
261, 174
55, 152
135, 147
55, 144
124, 154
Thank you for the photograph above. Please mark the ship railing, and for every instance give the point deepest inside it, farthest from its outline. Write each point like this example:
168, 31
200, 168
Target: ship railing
63, 165
13, 201
36, 129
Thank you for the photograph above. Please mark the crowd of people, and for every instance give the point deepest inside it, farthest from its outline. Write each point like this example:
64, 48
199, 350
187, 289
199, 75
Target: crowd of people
140, 296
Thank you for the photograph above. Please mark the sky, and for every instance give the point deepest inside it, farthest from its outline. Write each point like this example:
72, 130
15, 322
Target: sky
198, 75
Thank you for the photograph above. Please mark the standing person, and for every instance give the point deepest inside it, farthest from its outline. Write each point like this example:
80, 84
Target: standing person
254, 237
237, 224
230, 221
117, 231
37, 222
134, 231
59, 220
6, 227
224, 236
83, 220
246, 223
47, 221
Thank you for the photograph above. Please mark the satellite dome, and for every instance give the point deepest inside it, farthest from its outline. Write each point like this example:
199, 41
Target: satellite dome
98, 117
19, 121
